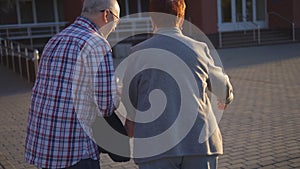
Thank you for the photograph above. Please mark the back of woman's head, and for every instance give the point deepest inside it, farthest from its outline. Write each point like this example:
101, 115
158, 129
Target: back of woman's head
174, 8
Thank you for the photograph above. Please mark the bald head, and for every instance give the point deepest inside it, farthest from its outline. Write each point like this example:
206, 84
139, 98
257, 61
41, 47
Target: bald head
92, 7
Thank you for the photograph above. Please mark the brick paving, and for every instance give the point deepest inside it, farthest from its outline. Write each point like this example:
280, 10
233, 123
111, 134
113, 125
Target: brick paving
260, 129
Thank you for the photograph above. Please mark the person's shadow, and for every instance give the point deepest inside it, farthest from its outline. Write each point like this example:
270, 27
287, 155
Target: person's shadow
12, 83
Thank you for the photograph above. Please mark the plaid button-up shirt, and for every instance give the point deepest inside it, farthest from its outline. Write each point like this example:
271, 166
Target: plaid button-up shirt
75, 80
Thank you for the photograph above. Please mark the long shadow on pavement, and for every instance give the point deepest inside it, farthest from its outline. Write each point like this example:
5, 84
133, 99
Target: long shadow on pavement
12, 83
241, 57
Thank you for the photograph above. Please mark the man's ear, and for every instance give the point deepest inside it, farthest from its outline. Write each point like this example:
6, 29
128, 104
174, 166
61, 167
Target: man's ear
105, 15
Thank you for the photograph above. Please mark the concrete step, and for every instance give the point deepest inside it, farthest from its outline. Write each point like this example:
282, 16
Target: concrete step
238, 36
246, 38
250, 39
233, 45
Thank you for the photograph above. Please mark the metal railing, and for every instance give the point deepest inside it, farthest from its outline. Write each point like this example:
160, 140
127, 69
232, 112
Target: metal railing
19, 58
287, 20
220, 39
254, 34
129, 27
30, 31
257, 28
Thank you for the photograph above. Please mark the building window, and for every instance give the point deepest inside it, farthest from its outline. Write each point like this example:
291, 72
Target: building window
226, 11
129, 7
44, 10
145, 5
122, 4
26, 12
133, 7
260, 10
60, 6
8, 12
249, 10
239, 11
31, 11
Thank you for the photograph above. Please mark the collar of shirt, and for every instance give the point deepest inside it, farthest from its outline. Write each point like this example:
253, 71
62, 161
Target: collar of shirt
168, 31
88, 23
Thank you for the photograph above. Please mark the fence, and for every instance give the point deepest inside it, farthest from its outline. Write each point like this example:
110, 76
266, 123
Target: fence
24, 60
129, 27
19, 58
31, 32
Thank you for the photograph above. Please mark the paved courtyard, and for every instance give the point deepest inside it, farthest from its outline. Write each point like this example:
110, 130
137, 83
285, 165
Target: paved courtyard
261, 129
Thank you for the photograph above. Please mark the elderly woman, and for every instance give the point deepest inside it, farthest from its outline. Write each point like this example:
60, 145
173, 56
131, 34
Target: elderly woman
186, 134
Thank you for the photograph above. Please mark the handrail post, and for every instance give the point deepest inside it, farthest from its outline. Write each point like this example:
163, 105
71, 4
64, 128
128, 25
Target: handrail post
258, 34
294, 34
287, 20
20, 60
51, 29
36, 58
6, 52
220, 39
1, 51
7, 33
29, 33
12, 56
27, 64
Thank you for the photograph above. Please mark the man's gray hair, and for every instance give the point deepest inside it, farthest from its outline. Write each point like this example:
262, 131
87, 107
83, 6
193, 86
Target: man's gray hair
94, 6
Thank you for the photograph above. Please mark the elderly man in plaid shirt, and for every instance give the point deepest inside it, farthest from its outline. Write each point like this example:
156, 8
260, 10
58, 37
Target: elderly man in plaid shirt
76, 74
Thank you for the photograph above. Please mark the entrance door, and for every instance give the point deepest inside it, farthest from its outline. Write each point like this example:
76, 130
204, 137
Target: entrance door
234, 15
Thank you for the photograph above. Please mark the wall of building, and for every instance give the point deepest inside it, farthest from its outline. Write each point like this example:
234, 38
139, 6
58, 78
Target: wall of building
72, 9
193, 12
282, 7
209, 15
296, 14
296, 5
203, 14
8, 13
